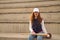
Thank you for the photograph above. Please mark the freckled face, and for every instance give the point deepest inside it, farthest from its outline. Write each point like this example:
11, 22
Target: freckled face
35, 14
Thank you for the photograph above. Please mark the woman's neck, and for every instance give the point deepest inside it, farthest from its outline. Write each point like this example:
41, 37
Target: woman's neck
35, 17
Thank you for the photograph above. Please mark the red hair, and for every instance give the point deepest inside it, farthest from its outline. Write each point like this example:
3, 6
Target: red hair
38, 17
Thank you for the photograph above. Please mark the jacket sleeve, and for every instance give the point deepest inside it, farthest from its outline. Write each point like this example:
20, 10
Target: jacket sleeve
43, 27
30, 27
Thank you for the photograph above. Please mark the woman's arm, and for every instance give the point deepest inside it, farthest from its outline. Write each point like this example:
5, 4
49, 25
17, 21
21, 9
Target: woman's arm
30, 26
43, 27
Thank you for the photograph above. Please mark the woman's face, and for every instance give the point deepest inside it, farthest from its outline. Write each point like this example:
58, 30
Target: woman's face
35, 14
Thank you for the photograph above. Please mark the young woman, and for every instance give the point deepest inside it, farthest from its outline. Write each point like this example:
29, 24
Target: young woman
36, 25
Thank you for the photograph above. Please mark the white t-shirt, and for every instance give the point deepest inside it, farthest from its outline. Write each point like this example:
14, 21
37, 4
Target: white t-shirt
43, 27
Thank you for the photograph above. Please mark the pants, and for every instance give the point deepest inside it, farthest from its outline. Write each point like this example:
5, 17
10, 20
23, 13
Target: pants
31, 37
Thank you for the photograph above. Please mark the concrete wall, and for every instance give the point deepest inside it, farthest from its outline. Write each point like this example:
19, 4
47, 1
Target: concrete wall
15, 14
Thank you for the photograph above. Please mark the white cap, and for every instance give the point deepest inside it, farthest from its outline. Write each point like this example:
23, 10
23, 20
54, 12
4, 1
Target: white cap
35, 10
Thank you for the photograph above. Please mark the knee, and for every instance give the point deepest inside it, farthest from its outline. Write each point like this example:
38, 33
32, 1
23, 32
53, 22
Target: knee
39, 37
30, 37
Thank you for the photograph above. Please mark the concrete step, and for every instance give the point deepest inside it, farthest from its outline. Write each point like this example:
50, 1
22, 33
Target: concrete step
19, 36
9, 36
51, 28
24, 27
29, 4
25, 17
10, 1
52, 9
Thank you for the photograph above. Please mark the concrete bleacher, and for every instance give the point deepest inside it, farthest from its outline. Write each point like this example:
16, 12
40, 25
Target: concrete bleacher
15, 14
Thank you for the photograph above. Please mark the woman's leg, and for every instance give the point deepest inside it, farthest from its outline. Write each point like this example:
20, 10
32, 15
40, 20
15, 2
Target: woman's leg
39, 38
31, 37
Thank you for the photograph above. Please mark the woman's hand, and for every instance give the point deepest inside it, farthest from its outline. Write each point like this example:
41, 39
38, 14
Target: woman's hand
33, 32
